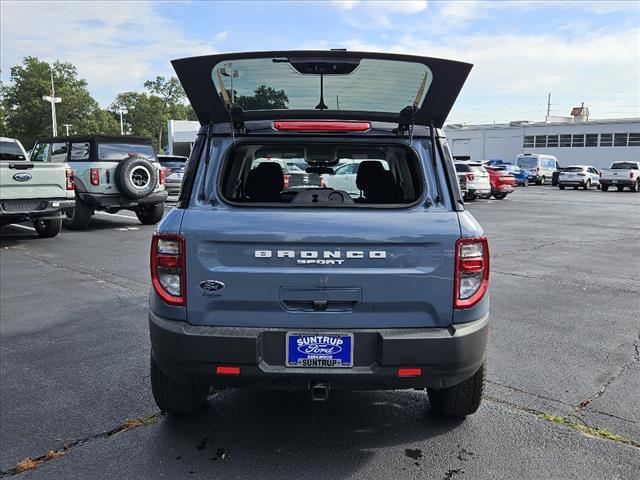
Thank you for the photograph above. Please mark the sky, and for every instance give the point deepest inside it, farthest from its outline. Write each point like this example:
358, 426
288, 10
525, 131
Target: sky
579, 51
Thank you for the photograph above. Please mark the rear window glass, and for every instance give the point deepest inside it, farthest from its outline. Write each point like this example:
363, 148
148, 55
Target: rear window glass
11, 151
172, 161
573, 169
322, 175
527, 162
461, 167
293, 84
624, 166
122, 151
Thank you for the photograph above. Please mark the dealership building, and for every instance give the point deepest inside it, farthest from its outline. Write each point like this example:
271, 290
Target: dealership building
572, 140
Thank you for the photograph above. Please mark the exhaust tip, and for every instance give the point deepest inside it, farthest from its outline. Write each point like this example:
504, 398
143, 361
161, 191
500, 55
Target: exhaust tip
319, 392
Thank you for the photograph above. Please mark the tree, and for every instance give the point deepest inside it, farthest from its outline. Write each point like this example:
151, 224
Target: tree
28, 117
148, 112
264, 98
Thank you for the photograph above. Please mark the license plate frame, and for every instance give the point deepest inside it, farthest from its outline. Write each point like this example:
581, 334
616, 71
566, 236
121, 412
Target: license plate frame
296, 356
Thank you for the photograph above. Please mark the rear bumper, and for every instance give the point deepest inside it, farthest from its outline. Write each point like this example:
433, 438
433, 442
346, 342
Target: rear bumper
627, 182
191, 353
100, 200
30, 209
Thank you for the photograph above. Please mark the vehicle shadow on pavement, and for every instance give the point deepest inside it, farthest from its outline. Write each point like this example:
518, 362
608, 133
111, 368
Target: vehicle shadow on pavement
241, 432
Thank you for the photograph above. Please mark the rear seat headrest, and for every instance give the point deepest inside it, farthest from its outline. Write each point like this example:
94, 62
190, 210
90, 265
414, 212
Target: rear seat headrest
265, 182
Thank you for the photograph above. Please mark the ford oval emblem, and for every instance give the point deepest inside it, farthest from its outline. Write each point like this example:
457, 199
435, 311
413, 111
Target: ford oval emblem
22, 177
211, 287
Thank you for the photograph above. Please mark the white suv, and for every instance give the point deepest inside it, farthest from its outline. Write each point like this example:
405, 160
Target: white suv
478, 184
576, 176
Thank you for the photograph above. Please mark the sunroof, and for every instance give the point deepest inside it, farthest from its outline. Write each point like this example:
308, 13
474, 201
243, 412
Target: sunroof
373, 85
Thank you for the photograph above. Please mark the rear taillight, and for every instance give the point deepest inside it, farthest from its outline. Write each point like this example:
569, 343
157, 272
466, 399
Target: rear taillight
470, 177
471, 271
582, 174
168, 267
70, 183
537, 169
321, 181
162, 174
321, 126
631, 174
94, 176
504, 179
287, 180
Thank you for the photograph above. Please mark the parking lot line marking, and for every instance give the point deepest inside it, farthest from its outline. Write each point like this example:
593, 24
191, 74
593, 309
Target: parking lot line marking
118, 215
23, 226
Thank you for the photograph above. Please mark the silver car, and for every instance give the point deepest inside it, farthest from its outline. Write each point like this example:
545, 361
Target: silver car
174, 170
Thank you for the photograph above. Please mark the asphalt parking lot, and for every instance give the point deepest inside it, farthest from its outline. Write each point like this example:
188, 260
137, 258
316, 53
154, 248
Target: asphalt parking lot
563, 358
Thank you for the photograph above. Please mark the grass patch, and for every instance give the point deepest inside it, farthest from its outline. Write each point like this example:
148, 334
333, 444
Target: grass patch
591, 431
134, 423
33, 463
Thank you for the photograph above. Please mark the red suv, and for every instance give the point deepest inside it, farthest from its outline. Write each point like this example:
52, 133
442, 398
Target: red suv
501, 184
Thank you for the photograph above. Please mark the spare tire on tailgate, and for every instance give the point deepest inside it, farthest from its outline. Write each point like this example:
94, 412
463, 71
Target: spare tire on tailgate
136, 177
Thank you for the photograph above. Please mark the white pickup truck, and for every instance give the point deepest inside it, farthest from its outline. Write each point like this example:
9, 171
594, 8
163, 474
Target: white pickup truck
39, 192
620, 175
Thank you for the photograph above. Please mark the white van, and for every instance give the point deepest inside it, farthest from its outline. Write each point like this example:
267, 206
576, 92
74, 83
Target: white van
539, 167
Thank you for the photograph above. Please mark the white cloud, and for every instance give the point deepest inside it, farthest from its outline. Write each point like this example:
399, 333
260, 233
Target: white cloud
115, 46
222, 36
377, 14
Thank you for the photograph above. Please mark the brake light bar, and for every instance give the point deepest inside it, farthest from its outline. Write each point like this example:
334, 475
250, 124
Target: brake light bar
470, 177
287, 179
321, 126
162, 175
168, 267
471, 271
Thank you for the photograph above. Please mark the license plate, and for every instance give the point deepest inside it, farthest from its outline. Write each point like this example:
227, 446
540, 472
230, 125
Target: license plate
319, 350
615, 181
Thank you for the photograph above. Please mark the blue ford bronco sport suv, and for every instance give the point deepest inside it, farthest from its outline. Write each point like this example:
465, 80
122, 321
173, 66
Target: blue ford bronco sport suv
379, 285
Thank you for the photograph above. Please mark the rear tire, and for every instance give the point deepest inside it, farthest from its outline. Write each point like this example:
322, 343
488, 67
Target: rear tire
150, 215
460, 400
636, 186
561, 187
604, 188
620, 189
500, 196
80, 217
587, 185
172, 396
48, 228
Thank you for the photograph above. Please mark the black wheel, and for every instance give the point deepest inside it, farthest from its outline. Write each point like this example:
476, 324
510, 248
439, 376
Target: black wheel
526, 182
604, 188
636, 186
500, 196
460, 400
48, 228
136, 177
561, 187
80, 217
543, 181
587, 185
620, 188
172, 396
575, 187
151, 214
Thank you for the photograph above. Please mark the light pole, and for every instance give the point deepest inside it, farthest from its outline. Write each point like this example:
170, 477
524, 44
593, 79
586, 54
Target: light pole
227, 71
122, 111
52, 99
67, 125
